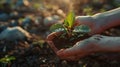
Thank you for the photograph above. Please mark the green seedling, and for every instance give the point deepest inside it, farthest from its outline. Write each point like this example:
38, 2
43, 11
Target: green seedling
69, 28
39, 43
6, 60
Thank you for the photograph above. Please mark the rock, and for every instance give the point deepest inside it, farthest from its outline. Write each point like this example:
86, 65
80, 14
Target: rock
4, 17
26, 21
15, 15
14, 33
61, 13
2, 27
14, 23
38, 20
19, 3
22, 3
51, 20
8, 1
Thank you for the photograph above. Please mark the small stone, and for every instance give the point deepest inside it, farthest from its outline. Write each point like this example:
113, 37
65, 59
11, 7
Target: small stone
26, 21
64, 62
14, 33
51, 20
4, 17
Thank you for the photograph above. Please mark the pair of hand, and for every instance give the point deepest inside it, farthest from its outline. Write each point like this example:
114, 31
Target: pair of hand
98, 23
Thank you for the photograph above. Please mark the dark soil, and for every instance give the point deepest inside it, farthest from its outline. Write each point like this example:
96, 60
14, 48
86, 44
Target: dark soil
39, 54
66, 41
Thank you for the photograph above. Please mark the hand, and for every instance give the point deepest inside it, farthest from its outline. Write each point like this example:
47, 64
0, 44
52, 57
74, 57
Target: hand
100, 21
85, 20
79, 50
94, 44
91, 22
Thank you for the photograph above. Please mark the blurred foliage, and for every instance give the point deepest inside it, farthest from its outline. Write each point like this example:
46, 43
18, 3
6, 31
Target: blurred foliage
82, 7
36, 5
7, 59
39, 43
88, 11
90, 7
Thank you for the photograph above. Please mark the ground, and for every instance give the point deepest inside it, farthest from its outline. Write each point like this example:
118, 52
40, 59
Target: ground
39, 54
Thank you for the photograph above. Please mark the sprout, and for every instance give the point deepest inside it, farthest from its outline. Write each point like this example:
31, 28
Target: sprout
69, 28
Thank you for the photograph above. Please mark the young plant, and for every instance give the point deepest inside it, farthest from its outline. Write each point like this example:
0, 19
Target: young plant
6, 60
69, 28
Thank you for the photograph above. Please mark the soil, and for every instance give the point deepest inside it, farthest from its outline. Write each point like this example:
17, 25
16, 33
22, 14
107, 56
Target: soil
30, 54
66, 42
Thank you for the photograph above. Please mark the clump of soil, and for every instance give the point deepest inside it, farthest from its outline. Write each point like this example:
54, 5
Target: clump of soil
66, 41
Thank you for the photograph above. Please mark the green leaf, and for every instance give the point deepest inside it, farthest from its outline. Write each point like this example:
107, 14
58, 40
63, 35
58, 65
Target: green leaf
82, 29
66, 23
11, 58
69, 21
57, 27
7, 59
36, 5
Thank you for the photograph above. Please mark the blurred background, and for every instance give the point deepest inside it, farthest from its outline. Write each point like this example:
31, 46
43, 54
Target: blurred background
36, 16
18, 18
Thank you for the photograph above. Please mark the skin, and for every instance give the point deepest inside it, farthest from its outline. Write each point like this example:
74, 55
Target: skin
94, 44
101, 21
97, 43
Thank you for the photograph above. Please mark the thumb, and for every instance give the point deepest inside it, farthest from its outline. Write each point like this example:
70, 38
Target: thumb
86, 20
